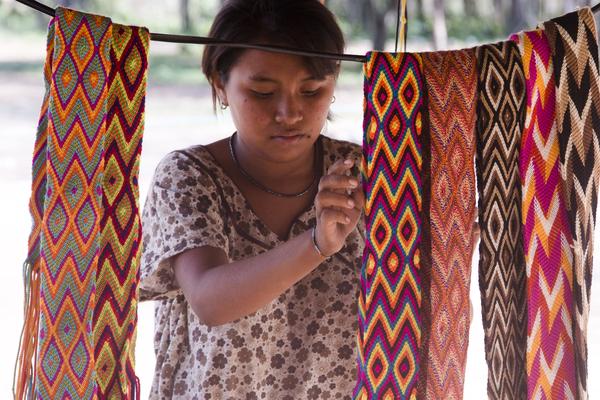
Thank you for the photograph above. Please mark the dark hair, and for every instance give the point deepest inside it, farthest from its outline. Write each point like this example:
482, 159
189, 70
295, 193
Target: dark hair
302, 24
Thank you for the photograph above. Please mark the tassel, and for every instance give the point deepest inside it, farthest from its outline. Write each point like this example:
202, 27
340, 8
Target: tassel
134, 392
25, 365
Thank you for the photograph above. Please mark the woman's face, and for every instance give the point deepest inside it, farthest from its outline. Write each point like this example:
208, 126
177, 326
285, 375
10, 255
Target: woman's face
277, 106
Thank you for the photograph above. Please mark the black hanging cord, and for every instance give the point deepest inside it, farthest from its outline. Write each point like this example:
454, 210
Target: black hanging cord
404, 35
161, 37
405, 24
397, 24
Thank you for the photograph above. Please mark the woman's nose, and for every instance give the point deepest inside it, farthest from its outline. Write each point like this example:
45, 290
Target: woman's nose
289, 111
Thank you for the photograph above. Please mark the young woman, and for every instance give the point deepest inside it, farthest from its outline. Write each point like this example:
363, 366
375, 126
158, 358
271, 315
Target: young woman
251, 244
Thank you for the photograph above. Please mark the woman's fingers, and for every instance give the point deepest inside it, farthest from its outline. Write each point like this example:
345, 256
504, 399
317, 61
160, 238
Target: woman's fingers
338, 182
475, 234
358, 195
340, 166
327, 198
330, 216
336, 188
476, 230
338, 204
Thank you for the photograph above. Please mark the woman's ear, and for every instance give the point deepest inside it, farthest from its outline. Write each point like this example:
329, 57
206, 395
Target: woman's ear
219, 86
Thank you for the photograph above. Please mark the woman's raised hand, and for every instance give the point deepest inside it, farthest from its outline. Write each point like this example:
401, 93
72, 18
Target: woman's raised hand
338, 204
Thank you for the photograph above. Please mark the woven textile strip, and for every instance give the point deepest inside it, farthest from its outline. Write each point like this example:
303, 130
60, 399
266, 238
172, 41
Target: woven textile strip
390, 290
451, 86
546, 234
26, 366
115, 314
70, 227
84, 206
500, 113
574, 47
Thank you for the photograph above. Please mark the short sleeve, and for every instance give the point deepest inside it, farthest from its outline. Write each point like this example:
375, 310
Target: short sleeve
183, 210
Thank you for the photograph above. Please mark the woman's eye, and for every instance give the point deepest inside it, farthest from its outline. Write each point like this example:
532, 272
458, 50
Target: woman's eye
260, 94
310, 92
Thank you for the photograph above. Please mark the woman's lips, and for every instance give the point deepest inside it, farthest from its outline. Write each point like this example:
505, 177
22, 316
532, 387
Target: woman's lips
288, 138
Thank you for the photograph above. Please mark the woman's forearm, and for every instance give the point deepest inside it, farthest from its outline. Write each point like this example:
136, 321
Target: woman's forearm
228, 292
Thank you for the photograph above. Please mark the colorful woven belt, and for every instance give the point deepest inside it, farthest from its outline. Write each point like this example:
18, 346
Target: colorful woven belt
84, 247
449, 186
500, 113
390, 290
573, 42
546, 234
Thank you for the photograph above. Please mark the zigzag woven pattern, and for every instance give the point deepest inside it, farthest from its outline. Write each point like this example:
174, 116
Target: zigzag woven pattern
70, 228
84, 205
115, 315
26, 360
451, 86
546, 235
574, 47
500, 113
390, 291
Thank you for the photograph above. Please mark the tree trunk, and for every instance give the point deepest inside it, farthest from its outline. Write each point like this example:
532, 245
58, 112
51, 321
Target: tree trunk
440, 34
420, 10
356, 13
471, 8
184, 13
379, 32
517, 16
373, 18
541, 11
499, 7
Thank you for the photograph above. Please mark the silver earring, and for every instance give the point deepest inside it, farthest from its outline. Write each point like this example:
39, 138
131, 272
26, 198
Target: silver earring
332, 99
224, 106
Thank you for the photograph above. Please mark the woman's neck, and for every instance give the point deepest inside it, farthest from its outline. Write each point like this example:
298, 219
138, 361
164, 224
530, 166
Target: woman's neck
278, 173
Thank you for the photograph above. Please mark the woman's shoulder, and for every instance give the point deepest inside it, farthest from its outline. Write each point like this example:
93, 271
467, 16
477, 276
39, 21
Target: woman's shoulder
336, 149
180, 167
192, 157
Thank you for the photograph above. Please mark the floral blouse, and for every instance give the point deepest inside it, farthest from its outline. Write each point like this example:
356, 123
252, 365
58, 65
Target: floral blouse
300, 346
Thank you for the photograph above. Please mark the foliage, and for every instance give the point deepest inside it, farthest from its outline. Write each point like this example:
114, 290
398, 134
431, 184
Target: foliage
474, 28
467, 21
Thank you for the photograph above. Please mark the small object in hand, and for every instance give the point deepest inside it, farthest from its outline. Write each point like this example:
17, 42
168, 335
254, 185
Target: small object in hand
352, 172
355, 170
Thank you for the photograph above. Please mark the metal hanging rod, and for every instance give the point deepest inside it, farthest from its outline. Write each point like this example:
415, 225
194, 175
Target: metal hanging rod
162, 37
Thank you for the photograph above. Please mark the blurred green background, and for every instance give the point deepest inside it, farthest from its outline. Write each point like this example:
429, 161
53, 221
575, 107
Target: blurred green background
367, 24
